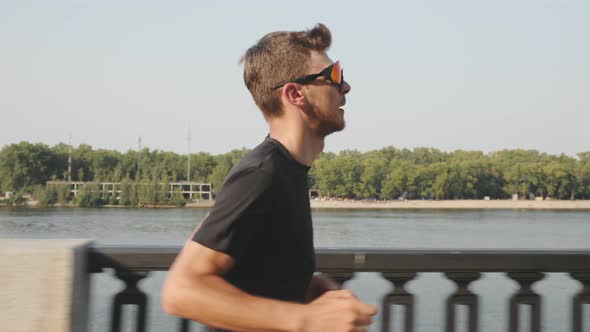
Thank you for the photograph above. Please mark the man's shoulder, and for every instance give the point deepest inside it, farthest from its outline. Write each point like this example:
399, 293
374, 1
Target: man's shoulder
260, 160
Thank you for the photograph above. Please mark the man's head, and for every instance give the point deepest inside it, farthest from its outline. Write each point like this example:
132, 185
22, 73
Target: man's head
277, 72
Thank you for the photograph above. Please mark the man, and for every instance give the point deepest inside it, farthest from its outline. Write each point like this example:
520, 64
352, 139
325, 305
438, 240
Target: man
249, 265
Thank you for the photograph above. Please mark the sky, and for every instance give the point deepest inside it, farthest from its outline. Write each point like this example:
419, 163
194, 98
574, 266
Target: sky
470, 75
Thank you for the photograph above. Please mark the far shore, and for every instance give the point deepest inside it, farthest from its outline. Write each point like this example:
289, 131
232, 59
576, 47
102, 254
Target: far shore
454, 204
400, 205
438, 204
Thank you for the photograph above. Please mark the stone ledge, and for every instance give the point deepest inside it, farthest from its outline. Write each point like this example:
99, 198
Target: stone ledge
44, 285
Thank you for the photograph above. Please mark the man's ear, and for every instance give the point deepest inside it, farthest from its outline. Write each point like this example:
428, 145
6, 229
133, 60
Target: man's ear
293, 94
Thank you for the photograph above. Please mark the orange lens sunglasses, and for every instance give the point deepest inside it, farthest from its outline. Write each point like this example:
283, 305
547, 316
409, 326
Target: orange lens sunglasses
333, 73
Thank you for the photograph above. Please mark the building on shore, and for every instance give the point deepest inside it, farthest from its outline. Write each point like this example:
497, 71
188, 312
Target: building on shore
189, 190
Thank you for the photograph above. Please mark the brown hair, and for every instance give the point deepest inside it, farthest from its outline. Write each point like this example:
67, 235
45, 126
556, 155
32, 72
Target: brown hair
277, 57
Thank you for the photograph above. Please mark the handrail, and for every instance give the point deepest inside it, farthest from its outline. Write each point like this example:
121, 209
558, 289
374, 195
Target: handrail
159, 258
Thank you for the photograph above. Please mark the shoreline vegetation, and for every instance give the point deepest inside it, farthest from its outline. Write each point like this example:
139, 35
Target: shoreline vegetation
384, 178
462, 204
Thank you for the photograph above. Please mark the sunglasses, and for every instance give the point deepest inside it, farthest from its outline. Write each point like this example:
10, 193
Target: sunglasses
333, 73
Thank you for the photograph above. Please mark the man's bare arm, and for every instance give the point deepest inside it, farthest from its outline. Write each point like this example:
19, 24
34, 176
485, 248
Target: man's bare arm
194, 289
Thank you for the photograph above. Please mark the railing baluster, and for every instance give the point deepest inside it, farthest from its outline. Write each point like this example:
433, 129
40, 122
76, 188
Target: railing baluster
183, 325
340, 277
463, 296
130, 295
583, 297
526, 296
399, 296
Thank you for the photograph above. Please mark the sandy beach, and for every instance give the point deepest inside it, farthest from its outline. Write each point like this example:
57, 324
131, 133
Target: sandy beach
446, 204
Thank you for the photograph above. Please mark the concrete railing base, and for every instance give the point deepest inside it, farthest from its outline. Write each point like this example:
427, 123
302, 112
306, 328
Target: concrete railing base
44, 285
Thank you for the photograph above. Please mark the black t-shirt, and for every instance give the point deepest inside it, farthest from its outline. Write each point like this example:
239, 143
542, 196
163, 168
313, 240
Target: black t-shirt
262, 219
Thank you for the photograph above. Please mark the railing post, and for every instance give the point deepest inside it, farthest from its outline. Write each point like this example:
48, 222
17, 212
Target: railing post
130, 295
463, 296
583, 297
340, 277
525, 295
399, 296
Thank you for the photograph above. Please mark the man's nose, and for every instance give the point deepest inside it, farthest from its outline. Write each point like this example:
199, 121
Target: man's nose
345, 87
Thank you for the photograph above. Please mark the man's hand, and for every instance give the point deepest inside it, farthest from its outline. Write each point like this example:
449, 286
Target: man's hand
337, 311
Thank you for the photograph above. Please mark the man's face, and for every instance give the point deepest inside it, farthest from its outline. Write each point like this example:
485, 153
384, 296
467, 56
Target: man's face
323, 99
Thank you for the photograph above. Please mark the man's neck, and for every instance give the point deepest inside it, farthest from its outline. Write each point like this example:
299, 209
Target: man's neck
301, 144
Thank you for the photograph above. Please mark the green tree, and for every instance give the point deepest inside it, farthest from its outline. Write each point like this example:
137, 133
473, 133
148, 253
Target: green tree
324, 177
89, 196
64, 193
25, 165
126, 192
583, 176
177, 199
374, 169
401, 179
45, 197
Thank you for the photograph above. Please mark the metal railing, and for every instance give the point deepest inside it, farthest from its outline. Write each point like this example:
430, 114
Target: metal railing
132, 263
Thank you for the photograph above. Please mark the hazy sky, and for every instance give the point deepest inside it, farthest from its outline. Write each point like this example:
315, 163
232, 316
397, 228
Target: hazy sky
474, 75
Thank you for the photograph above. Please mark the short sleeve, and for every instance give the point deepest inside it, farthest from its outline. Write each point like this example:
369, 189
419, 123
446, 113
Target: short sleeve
238, 212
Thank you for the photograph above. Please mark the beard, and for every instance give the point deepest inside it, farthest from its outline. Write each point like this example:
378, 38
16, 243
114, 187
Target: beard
325, 123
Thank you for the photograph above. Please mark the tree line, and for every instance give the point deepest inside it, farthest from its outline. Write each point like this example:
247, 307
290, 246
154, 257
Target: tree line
26, 167
427, 173
387, 173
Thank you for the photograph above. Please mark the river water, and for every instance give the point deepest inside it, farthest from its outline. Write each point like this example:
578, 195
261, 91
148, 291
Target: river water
383, 229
